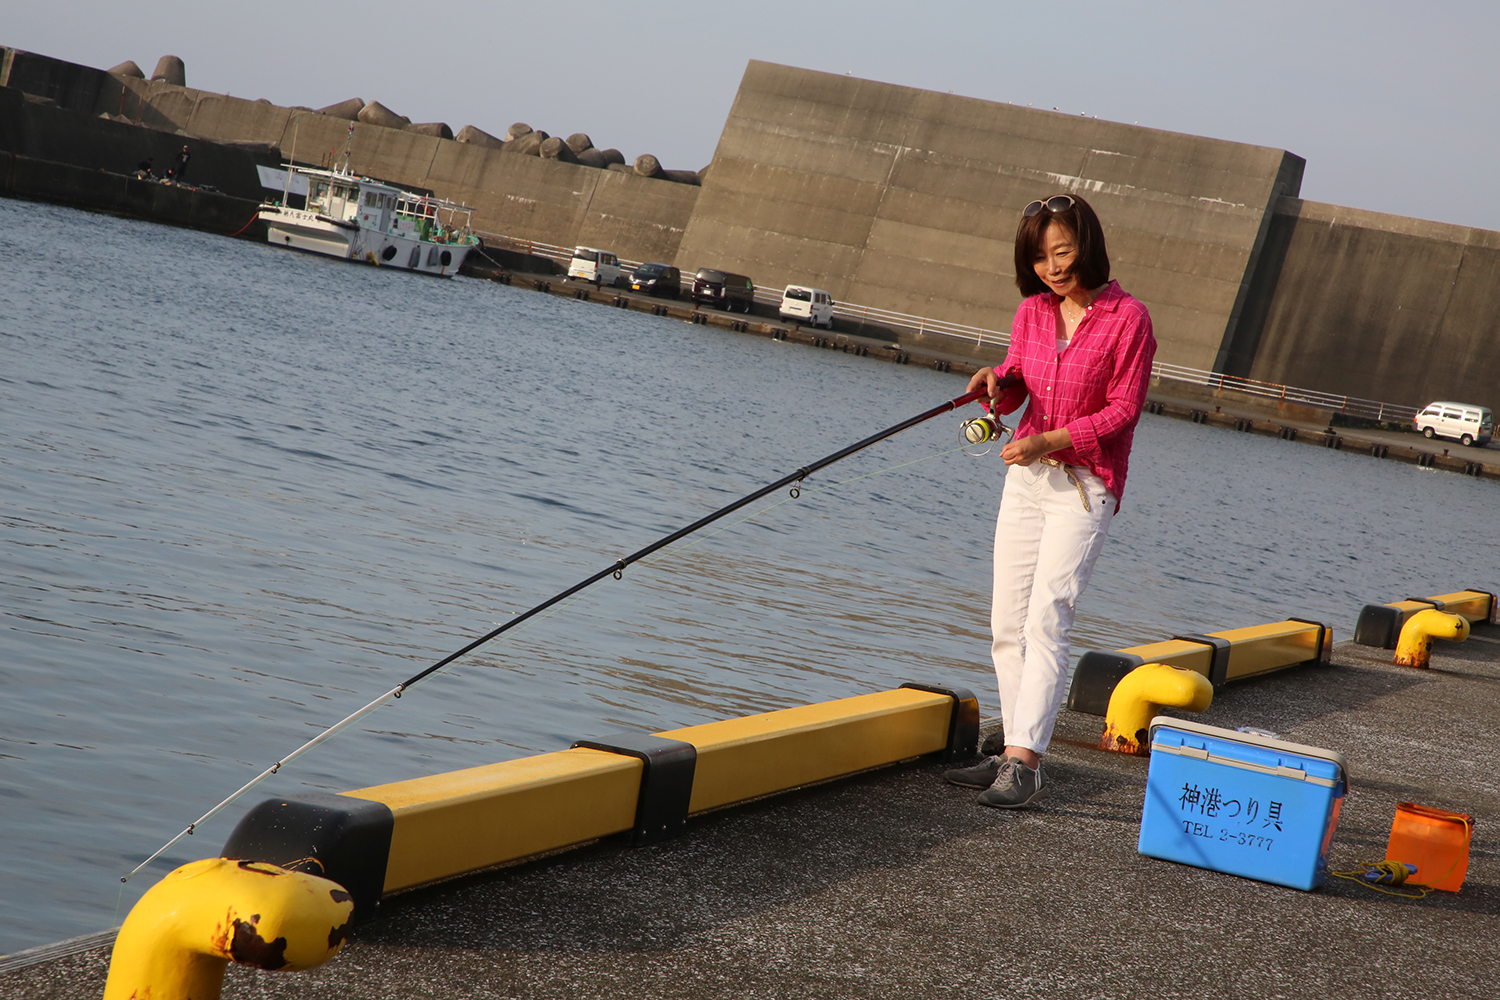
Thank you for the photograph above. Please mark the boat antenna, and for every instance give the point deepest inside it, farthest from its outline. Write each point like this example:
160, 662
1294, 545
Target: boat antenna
348, 142
616, 570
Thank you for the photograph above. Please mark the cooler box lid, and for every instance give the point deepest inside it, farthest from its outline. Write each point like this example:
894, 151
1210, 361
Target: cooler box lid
1250, 751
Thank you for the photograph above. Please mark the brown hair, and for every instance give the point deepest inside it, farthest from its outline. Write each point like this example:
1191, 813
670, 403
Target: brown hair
1091, 266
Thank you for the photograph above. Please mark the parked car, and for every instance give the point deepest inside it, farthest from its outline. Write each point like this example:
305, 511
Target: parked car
812, 306
598, 266
724, 289
1462, 422
657, 279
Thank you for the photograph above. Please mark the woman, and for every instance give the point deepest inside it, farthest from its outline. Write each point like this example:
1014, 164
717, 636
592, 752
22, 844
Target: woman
1081, 349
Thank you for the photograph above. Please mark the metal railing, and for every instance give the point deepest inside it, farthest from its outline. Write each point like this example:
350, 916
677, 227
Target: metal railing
1367, 409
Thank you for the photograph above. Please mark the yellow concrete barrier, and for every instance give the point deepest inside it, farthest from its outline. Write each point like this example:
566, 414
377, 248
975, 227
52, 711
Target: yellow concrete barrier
1414, 649
1381, 624
742, 759
1140, 693
387, 838
469, 820
383, 839
1222, 657
184, 931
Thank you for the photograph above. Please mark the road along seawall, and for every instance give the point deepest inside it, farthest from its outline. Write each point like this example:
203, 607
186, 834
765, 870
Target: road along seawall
1213, 408
906, 200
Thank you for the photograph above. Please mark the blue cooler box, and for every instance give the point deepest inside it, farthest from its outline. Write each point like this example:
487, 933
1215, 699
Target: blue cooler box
1240, 803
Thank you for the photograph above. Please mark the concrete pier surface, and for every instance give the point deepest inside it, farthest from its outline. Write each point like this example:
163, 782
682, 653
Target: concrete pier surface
894, 883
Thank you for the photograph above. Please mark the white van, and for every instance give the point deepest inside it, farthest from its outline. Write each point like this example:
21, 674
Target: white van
812, 306
597, 266
1462, 422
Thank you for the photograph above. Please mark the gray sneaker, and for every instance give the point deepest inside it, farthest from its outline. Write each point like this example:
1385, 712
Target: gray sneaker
1015, 785
981, 775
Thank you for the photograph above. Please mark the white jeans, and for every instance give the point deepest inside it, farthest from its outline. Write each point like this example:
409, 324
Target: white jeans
1045, 548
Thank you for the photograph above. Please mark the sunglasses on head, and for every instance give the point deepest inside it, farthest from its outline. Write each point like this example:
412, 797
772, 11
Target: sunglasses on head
1055, 204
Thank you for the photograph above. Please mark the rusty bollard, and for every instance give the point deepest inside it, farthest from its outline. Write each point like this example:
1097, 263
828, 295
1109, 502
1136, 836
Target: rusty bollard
1137, 697
184, 931
1414, 648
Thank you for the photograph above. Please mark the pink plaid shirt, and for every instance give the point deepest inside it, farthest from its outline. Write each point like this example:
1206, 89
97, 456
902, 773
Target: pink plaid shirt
1095, 388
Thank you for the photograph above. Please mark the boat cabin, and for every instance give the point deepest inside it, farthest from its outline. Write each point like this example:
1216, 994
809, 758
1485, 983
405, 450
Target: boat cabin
377, 203
335, 198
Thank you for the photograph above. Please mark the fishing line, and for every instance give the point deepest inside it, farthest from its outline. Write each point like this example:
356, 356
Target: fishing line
679, 550
616, 570
788, 499
325, 734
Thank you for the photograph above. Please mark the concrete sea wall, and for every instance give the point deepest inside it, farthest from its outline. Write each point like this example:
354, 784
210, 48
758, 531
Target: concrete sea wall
526, 197
909, 199
522, 197
44, 131
100, 191
1380, 306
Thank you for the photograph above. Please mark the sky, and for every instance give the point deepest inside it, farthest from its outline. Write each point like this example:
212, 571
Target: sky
1393, 105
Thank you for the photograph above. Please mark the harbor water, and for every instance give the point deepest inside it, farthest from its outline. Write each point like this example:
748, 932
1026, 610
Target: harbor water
245, 491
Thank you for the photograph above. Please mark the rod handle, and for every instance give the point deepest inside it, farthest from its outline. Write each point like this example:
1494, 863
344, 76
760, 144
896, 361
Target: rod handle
969, 397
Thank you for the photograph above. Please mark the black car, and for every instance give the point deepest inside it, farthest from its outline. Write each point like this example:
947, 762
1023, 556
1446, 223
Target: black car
657, 279
724, 289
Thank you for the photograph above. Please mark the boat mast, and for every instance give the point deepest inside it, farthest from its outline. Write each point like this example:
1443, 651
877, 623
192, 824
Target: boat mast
287, 187
348, 141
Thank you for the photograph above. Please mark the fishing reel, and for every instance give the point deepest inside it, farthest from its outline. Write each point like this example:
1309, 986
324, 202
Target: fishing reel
983, 430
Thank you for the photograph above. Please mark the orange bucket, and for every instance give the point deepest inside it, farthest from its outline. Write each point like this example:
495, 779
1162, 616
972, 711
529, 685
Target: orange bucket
1435, 840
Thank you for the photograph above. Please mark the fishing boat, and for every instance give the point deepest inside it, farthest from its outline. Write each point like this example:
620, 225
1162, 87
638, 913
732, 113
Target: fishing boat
358, 218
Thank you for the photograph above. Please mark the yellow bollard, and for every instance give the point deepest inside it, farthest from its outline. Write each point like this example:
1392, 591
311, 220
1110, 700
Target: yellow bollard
180, 936
1414, 648
1140, 693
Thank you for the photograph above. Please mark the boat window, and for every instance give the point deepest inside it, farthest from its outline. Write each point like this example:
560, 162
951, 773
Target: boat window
317, 195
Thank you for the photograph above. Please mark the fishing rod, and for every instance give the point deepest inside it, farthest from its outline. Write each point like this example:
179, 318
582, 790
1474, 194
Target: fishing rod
616, 570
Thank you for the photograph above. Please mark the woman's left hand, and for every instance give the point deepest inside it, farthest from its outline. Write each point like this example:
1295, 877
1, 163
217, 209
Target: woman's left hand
1024, 451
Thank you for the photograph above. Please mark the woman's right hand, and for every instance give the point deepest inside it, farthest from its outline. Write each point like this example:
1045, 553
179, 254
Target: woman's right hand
986, 379
992, 385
